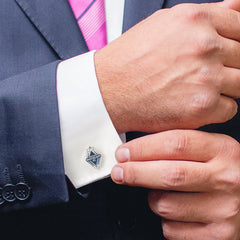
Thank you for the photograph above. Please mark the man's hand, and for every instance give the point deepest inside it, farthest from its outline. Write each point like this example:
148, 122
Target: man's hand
179, 68
196, 177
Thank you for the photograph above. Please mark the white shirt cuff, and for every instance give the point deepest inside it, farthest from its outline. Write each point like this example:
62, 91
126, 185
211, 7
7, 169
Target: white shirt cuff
84, 121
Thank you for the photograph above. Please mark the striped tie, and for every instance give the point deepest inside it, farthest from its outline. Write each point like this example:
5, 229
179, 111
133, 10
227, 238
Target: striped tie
90, 15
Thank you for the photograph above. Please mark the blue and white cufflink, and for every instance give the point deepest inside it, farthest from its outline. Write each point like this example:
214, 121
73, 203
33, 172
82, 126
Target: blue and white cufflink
93, 158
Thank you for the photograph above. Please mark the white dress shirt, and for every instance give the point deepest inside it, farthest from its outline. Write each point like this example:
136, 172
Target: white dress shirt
84, 120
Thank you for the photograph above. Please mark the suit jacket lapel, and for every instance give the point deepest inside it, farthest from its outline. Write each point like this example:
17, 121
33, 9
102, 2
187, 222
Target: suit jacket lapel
55, 21
137, 10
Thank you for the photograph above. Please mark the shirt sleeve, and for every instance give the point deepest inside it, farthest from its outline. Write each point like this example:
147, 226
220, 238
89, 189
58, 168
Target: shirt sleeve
89, 139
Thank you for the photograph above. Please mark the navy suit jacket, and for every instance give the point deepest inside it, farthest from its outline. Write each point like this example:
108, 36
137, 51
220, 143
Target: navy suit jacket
34, 36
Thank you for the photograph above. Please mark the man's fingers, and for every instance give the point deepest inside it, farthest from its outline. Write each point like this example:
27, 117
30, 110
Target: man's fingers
192, 207
225, 21
224, 111
230, 53
231, 4
164, 175
173, 145
230, 83
186, 231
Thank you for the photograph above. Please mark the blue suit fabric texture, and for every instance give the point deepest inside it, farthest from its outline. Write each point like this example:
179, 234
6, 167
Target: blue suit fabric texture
35, 35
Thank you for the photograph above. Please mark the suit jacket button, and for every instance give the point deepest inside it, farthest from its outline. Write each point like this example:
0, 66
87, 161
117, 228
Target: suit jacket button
22, 191
8, 193
1, 196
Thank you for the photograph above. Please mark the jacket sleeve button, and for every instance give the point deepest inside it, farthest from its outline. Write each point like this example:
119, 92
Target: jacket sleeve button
8, 193
22, 191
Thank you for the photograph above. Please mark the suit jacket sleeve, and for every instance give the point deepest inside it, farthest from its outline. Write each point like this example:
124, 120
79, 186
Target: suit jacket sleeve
30, 138
29, 118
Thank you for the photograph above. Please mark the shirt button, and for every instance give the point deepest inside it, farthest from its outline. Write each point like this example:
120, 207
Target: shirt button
8, 193
22, 191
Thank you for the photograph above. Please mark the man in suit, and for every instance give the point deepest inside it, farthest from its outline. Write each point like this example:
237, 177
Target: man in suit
35, 37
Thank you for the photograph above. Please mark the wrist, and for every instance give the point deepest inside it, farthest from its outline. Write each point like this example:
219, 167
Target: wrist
107, 76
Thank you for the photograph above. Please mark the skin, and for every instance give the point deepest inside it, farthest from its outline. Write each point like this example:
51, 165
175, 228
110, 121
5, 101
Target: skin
165, 74
195, 181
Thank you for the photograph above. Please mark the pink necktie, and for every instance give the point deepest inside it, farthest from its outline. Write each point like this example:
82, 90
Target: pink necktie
90, 15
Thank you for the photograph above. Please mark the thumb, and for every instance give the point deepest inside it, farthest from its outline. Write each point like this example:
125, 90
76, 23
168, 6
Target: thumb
231, 4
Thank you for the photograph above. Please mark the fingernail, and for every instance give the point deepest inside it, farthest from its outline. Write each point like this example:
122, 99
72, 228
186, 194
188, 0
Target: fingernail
117, 174
123, 155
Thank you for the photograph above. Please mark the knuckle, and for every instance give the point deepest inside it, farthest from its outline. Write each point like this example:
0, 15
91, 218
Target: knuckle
228, 181
177, 142
203, 103
205, 43
232, 210
233, 181
163, 208
204, 75
182, 142
191, 12
176, 177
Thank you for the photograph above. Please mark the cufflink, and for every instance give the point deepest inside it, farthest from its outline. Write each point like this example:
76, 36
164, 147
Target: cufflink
93, 158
